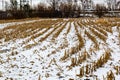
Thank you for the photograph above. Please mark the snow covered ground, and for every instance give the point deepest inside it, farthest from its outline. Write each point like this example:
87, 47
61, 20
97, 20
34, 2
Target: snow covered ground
15, 23
71, 49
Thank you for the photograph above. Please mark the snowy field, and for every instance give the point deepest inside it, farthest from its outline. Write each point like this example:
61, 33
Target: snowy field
60, 49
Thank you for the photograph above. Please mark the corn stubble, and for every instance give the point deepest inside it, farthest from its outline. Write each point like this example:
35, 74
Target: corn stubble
76, 55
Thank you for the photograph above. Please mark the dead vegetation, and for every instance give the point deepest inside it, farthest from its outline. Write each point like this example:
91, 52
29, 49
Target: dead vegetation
90, 68
1, 75
34, 34
19, 20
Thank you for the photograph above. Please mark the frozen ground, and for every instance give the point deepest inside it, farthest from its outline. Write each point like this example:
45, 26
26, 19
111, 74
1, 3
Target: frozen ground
15, 23
61, 51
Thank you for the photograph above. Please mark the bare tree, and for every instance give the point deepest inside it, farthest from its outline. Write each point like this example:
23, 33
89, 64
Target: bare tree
111, 4
118, 5
53, 4
14, 5
68, 9
6, 6
100, 10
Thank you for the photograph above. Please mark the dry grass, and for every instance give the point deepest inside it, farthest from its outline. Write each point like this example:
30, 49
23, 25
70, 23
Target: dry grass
77, 54
80, 38
76, 61
90, 68
69, 28
1, 75
101, 30
20, 31
19, 20
61, 27
110, 75
92, 38
102, 37
102, 21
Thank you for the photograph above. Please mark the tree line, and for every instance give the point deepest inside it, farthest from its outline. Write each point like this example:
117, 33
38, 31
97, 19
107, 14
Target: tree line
51, 11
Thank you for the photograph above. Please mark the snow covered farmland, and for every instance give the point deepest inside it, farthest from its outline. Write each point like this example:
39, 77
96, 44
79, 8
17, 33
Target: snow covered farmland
61, 49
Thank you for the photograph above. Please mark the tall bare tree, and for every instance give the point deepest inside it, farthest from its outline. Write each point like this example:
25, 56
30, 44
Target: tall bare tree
14, 4
111, 4
100, 10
